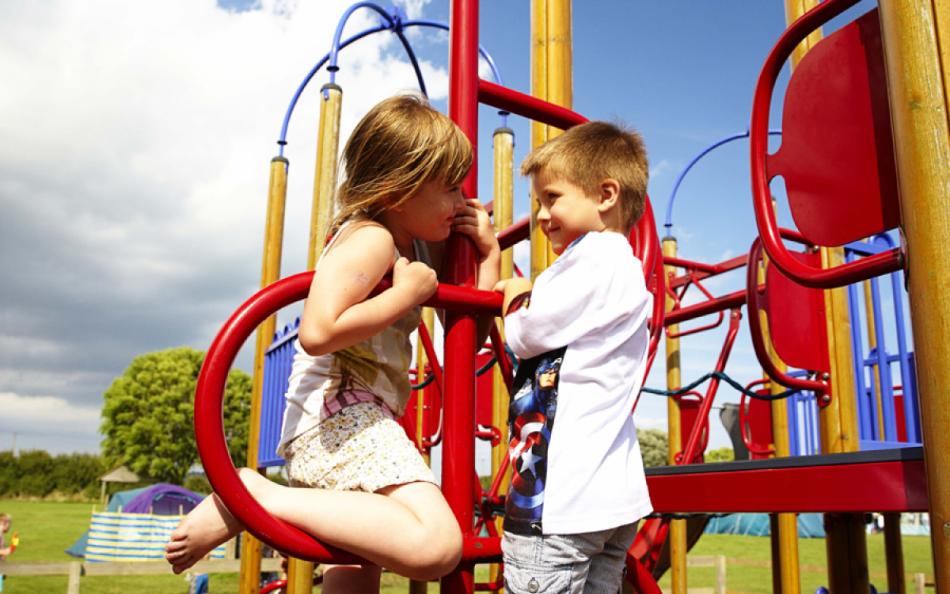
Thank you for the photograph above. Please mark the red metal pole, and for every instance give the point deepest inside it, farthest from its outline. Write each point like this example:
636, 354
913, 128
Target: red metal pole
458, 445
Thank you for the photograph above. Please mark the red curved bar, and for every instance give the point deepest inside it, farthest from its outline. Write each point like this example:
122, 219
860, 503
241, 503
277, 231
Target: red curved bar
273, 586
518, 231
209, 427
809, 276
209, 395
755, 330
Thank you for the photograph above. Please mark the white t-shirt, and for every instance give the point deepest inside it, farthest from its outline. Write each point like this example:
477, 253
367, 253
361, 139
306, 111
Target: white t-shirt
593, 301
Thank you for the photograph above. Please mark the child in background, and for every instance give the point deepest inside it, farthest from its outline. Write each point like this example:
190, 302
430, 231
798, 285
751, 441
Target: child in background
6, 520
370, 492
578, 488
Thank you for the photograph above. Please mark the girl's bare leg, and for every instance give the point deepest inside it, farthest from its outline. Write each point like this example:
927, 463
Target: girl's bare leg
351, 579
406, 528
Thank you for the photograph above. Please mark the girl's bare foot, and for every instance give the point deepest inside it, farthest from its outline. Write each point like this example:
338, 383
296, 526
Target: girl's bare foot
211, 524
203, 529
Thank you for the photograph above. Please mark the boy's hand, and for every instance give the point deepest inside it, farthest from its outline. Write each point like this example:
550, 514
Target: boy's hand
416, 280
473, 220
512, 288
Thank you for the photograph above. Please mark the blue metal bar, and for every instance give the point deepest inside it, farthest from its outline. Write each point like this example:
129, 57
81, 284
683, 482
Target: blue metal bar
332, 56
866, 410
335, 48
793, 433
282, 140
413, 61
905, 357
496, 74
669, 204
884, 368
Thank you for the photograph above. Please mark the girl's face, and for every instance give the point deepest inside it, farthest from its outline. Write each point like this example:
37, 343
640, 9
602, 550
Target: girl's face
429, 214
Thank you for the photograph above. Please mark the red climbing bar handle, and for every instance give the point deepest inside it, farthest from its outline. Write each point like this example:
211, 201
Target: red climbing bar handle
528, 106
769, 232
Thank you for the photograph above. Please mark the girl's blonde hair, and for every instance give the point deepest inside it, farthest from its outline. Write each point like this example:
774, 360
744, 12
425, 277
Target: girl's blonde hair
399, 145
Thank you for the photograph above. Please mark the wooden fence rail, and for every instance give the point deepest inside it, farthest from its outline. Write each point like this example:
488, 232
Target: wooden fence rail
75, 569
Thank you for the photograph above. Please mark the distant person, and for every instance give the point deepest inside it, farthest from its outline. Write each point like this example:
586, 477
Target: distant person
6, 521
578, 488
400, 200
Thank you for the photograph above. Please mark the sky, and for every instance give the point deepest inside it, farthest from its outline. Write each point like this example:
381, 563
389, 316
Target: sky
136, 137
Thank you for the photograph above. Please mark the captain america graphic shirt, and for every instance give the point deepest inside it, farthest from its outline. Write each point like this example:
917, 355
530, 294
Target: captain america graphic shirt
530, 421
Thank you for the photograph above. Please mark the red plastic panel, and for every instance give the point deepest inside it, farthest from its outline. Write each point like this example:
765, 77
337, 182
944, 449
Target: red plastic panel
760, 425
797, 318
837, 154
689, 413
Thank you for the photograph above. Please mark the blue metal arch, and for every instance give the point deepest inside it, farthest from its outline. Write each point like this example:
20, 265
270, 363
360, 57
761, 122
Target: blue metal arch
394, 22
669, 204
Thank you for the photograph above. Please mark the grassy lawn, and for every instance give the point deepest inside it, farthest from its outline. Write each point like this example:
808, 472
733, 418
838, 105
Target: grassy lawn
748, 559
47, 528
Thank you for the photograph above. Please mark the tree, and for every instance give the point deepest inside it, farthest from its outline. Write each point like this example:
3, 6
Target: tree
721, 455
653, 447
148, 415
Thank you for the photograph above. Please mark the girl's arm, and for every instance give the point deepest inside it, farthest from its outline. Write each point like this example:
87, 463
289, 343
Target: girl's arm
337, 313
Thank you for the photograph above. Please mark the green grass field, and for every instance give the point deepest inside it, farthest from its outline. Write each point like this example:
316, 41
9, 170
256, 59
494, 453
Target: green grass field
46, 529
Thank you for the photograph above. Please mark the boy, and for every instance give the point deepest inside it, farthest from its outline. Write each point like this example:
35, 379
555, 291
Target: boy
578, 487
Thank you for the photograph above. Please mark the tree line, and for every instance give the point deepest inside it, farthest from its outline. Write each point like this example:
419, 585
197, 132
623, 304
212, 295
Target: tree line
148, 427
36, 473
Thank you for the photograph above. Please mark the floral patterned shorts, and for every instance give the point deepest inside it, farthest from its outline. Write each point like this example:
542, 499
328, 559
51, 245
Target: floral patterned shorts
360, 448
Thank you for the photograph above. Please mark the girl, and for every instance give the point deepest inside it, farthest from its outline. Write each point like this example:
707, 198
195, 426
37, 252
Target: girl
398, 203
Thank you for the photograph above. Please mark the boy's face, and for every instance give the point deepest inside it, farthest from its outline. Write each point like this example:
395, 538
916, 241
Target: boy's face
565, 211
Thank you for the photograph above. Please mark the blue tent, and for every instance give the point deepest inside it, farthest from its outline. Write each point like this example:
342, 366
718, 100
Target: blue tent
160, 499
749, 524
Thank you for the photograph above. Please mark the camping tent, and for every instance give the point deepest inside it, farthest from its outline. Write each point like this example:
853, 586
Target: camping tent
756, 524
132, 515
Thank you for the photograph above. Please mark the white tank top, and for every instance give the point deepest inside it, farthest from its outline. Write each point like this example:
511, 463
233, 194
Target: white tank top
379, 365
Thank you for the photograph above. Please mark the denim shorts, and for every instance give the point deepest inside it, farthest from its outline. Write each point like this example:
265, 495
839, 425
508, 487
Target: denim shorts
587, 563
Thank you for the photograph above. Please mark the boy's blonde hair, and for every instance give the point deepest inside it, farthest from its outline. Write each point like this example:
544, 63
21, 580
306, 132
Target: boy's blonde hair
400, 144
587, 154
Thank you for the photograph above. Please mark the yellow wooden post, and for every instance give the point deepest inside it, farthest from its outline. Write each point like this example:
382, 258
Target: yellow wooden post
677, 534
324, 178
551, 68
894, 554
270, 271
916, 35
300, 572
428, 318
503, 143
846, 546
785, 571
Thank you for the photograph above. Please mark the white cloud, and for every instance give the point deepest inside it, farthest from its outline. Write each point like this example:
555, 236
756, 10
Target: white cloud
134, 156
49, 412
660, 169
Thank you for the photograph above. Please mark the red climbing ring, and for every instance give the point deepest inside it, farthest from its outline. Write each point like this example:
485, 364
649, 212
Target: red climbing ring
209, 426
209, 396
